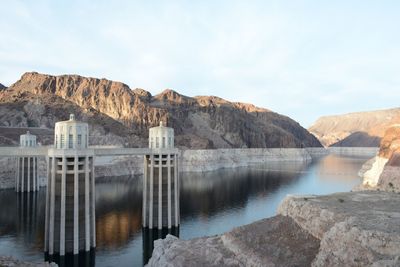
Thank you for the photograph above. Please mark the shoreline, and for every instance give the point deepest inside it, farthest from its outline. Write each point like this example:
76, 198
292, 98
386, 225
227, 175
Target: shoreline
196, 161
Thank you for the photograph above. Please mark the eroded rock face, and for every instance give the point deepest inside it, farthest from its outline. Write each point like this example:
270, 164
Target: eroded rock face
199, 122
342, 229
384, 171
277, 241
355, 228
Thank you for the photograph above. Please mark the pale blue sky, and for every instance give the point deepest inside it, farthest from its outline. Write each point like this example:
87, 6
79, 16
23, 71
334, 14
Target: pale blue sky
303, 59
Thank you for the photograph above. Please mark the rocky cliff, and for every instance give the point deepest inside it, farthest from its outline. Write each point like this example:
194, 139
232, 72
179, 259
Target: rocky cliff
113, 108
383, 171
342, 229
361, 129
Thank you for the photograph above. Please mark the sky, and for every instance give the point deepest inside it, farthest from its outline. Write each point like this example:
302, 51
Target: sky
303, 59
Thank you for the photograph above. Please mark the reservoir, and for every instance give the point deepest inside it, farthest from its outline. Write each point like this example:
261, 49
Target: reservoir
210, 203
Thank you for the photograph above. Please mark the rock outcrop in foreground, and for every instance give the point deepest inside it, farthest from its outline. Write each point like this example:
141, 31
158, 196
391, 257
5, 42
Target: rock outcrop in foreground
11, 262
342, 229
360, 129
115, 110
383, 171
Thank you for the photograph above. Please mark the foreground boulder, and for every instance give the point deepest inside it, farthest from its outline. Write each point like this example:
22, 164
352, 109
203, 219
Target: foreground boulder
342, 229
6, 261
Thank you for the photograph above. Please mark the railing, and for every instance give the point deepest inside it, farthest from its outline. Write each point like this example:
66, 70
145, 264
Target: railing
98, 151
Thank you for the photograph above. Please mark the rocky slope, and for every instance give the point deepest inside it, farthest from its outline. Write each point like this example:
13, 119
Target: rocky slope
342, 229
199, 122
362, 129
383, 171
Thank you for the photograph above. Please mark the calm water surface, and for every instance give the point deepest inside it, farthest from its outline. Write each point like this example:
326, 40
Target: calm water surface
211, 203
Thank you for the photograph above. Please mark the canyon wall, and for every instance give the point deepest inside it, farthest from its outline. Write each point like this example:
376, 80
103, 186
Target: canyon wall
383, 171
359, 129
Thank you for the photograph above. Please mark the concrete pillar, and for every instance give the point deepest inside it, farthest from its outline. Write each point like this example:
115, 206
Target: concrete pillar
151, 191
23, 174
87, 203
46, 222
160, 217
93, 209
176, 192
18, 178
169, 190
76, 206
52, 204
28, 189
62, 209
33, 174
144, 211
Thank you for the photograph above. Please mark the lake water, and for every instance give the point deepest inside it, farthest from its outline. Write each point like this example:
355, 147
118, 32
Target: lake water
211, 203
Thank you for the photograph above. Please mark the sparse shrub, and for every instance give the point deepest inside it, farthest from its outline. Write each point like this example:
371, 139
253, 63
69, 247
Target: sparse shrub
341, 200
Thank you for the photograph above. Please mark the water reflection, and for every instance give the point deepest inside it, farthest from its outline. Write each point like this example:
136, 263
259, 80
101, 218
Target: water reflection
83, 259
118, 213
211, 203
334, 168
212, 192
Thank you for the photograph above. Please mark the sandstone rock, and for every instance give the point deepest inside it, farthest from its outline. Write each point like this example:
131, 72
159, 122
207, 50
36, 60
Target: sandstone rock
276, 241
355, 129
199, 122
355, 229
384, 172
342, 229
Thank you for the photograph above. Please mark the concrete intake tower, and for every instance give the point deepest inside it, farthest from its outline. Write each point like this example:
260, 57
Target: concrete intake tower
26, 179
70, 196
161, 180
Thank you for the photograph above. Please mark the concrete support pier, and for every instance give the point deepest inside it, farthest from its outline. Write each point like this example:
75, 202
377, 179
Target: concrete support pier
70, 197
161, 181
26, 176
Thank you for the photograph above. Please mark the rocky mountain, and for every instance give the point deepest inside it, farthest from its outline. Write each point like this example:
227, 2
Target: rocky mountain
113, 109
2, 87
361, 129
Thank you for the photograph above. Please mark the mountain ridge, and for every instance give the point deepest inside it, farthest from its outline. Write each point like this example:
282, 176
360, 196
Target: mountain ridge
364, 128
199, 122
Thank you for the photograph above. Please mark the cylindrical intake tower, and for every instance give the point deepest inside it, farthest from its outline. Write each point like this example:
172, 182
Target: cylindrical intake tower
70, 197
26, 179
161, 180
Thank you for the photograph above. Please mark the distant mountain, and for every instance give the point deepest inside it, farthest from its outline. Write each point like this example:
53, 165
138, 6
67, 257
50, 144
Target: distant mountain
125, 115
361, 129
2, 87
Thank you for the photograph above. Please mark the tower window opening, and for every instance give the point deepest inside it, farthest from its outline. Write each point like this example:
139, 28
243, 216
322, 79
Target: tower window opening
70, 141
62, 141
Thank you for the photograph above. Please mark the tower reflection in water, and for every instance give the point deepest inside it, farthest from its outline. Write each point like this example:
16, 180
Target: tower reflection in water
150, 235
83, 259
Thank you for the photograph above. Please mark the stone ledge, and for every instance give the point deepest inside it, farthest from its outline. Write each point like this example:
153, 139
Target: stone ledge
342, 229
